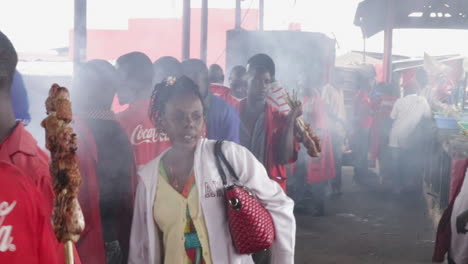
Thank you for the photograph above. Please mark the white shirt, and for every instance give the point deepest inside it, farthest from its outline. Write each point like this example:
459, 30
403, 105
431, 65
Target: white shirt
145, 243
459, 242
407, 112
334, 97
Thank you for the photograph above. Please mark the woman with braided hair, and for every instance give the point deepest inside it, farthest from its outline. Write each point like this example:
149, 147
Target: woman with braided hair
180, 214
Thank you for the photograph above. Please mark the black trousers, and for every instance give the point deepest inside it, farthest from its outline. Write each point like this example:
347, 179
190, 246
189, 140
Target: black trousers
307, 196
361, 153
407, 167
450, 260
262, 257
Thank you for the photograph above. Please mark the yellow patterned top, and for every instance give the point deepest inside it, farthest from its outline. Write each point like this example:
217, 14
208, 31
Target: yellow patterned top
170, 215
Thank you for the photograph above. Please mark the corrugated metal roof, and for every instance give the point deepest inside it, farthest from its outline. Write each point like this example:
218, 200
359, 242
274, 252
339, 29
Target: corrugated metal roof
371, 15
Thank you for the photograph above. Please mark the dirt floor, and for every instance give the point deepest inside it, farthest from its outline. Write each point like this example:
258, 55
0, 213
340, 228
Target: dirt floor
368, 224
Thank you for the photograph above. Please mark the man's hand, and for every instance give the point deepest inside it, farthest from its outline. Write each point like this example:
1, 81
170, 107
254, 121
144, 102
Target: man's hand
461, 222
295, 112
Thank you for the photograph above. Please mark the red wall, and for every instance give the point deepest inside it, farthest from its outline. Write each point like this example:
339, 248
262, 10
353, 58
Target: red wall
163, 37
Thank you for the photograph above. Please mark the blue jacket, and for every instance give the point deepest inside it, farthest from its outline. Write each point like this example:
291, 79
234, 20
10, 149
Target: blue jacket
19, 99
222, 121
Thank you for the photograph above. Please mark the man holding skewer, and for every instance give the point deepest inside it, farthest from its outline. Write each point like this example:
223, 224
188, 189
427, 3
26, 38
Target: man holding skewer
17, 145
25, 229
265, 131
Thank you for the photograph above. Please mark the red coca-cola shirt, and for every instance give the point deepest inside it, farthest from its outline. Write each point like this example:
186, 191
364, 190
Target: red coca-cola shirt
26, 234
21, 150
146, 142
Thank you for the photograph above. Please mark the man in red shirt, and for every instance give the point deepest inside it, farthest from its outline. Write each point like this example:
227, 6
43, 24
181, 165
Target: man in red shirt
224, 93
217, 87
265, 131
147, 142
26, 234
17, 146
216, 74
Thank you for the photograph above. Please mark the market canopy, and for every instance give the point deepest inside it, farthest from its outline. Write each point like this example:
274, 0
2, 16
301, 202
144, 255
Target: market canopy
371, 15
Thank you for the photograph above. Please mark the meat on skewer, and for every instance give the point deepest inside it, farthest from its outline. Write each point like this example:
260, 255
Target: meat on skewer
304, 133
61, 141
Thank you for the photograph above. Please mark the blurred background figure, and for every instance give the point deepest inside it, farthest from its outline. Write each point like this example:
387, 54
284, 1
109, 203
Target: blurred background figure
164, 67
314, 174
218, 88
222, 120
333, 98
216, 74
386, 96
136, 71
238, 82
411, 117
106, 164
362, 123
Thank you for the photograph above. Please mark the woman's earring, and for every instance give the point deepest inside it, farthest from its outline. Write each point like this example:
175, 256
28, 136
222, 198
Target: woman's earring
160, 130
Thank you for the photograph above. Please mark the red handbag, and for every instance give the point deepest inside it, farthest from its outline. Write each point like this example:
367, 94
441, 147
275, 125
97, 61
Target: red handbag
251, 225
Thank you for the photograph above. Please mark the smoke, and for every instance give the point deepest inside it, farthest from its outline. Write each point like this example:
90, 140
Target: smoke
37, 87
303, 60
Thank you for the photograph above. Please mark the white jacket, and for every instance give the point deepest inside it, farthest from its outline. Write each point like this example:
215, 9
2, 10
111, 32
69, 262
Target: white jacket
145, 244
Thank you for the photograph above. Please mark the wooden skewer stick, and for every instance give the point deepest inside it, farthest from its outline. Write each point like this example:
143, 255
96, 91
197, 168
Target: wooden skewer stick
306, 132
69, 252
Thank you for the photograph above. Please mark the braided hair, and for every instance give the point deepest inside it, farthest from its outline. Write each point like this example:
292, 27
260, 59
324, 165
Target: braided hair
166, 90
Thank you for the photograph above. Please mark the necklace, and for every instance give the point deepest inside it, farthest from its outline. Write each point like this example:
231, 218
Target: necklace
177, 182
177, 175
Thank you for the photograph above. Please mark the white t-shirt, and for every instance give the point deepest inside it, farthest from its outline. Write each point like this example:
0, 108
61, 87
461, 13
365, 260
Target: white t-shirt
406, 114
459, 242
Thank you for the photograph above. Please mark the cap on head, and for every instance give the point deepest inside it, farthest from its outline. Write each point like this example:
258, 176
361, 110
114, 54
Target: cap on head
8, 61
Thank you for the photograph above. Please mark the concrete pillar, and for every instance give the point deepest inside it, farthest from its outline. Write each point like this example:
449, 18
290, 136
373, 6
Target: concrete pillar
204, 31
186, 30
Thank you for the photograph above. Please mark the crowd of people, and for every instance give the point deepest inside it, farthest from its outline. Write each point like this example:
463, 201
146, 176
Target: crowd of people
151, 191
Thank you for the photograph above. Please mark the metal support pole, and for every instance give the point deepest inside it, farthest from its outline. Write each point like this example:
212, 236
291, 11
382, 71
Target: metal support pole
204, 31
186, 31
388, 42
238, 14
79, 34
261, 15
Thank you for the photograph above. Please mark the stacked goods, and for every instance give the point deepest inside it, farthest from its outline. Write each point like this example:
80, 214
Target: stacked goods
61, 141
305, 133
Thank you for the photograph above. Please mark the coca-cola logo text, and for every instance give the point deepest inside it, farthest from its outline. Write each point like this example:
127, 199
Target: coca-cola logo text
141, 135
6, 240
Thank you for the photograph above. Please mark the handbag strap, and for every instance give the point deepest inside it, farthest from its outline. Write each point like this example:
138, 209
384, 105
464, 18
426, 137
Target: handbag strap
220, 157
